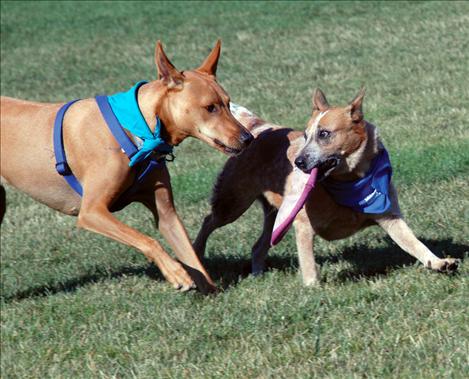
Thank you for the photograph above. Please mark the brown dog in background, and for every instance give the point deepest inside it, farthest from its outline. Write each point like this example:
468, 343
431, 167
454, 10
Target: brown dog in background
189, 103
264, 172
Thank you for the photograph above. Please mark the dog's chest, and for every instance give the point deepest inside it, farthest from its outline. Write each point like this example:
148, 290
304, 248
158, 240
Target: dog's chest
330, 220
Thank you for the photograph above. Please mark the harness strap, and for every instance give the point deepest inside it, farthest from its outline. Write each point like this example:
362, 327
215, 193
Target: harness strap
119, 134
125, 142
153, 163
116, 129
61, 164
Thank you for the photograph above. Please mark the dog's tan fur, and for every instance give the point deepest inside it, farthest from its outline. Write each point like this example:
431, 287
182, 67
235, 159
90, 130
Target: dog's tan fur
264, 172
189, 103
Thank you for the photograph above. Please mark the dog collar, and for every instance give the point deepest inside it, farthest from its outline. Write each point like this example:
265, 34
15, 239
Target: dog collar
369, 194
125, 107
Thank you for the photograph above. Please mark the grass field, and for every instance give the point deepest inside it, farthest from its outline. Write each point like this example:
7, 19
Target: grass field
77, 305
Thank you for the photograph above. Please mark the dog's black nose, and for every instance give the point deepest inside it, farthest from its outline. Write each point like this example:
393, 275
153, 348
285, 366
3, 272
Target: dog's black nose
246, 138
300, 162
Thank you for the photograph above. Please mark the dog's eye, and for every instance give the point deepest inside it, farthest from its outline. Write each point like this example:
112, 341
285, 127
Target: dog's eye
305, 136
211, 108
324, 134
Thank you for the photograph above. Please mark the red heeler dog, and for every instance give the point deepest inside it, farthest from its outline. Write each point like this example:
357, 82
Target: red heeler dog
344, 148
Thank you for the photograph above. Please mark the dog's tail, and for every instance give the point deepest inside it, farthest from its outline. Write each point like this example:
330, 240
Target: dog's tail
250, 121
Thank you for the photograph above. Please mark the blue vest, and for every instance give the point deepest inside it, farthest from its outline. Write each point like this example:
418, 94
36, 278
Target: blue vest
369, 194
120, 111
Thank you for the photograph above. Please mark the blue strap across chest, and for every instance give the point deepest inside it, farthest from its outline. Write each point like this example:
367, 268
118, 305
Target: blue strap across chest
134, 154
369, 194
115, 127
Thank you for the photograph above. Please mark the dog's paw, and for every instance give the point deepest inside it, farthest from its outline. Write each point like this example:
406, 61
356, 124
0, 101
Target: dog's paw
185, 287
313, 281
446, 265
209, 288
175, 274
257, 269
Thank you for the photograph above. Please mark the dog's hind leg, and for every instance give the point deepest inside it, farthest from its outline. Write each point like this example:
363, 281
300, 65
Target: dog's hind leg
3, 203
225, 210
262, 246
209, 225
400, 232
304, 242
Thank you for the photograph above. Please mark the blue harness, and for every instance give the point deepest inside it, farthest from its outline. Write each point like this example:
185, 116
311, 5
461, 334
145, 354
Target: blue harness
369, 194
119, 111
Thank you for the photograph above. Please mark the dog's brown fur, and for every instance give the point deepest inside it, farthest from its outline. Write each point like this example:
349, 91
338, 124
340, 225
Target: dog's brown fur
264, 172
189, 103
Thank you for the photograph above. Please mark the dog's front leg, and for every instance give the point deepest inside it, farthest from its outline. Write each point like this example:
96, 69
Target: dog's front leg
400, 232
172, 229
95, 216
304, 242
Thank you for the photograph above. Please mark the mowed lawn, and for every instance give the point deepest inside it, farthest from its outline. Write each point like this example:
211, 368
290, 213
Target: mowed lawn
77, 305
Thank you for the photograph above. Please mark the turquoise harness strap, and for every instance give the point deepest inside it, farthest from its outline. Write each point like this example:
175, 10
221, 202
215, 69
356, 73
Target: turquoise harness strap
125, 107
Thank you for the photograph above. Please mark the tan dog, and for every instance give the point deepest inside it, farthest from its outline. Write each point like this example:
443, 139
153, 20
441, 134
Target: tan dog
189, 103
341, 145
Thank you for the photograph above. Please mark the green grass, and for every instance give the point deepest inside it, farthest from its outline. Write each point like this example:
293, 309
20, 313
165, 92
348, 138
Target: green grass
75, 304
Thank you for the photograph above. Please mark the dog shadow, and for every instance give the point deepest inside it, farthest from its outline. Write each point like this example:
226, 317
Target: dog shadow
227, 271
365, 262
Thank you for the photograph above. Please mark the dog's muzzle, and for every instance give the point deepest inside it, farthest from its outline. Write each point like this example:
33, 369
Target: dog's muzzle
244, 141
324, 166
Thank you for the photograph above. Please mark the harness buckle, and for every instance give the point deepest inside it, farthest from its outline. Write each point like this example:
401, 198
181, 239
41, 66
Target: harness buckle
63, 168
169, 157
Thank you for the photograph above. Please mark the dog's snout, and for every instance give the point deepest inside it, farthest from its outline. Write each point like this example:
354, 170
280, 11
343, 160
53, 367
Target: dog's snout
300, 162
246, 138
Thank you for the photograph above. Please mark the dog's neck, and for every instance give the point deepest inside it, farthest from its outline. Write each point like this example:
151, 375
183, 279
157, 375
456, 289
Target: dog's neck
357, 164
153, 101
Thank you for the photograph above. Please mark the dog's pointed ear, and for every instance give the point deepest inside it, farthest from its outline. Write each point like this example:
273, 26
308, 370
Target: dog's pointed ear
319, 101
166, 70
209, 66
355, 106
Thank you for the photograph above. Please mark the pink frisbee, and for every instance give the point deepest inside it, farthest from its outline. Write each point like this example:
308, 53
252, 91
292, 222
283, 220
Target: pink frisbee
293, 201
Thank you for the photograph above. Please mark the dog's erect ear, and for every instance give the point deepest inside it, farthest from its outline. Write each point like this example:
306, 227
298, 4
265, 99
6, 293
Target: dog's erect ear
166, 70
319, 101
356, 106
210, 63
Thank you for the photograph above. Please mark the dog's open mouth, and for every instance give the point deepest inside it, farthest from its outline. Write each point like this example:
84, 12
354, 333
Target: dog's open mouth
326, 167
226, 149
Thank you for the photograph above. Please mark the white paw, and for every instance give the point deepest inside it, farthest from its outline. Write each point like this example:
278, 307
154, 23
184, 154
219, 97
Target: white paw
447, 265
313, 281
